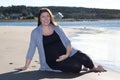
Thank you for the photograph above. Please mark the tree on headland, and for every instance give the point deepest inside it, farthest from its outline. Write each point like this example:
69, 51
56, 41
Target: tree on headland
68, 12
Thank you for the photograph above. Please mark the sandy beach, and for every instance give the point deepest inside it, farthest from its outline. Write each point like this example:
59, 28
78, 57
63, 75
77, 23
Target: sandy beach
14, 43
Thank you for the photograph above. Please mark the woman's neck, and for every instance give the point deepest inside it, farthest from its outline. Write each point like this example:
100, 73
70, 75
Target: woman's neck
45, 26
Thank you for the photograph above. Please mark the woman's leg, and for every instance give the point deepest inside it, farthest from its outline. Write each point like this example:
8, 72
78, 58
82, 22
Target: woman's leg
87, 62
84, 59
69, 65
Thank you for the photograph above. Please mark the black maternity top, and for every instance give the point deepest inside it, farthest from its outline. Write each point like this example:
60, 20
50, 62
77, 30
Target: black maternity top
53, 48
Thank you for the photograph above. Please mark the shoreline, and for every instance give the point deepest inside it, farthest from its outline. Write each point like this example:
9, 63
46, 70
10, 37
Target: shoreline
35, 20
14, 44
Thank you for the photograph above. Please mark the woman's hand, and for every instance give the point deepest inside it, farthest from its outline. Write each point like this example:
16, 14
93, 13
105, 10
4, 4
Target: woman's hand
21, 68
62, 57
27, 63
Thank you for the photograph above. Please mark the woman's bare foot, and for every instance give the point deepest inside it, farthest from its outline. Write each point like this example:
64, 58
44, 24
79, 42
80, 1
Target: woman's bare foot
98, 69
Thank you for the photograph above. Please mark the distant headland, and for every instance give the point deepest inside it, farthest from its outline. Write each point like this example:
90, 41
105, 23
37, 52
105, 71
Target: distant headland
22, 12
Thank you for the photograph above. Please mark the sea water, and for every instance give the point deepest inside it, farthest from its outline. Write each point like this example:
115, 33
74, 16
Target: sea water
103, 48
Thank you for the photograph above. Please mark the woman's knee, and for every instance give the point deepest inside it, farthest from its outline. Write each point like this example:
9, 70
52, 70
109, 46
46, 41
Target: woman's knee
76, 68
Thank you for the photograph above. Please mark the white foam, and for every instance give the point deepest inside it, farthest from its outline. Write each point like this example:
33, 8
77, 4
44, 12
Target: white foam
100, 47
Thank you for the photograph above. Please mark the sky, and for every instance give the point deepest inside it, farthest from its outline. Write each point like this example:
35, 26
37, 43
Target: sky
104, 4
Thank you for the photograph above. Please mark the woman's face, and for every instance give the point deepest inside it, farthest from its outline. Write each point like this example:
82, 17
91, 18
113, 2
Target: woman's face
45, 19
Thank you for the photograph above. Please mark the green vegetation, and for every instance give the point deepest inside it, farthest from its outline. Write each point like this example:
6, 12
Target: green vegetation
76, 13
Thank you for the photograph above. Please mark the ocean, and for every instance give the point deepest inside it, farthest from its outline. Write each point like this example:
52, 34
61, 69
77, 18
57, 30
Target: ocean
98, 23
103, 47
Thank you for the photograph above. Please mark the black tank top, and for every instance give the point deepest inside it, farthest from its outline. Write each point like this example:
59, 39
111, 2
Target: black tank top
53, 48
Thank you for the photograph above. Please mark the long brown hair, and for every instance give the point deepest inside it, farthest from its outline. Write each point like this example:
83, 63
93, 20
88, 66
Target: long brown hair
52, 20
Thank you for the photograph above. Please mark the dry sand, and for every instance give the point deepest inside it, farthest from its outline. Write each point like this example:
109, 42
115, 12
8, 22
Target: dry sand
14, 42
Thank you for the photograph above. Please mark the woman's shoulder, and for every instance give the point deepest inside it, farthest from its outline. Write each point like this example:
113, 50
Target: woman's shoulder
58, 27
35, 30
